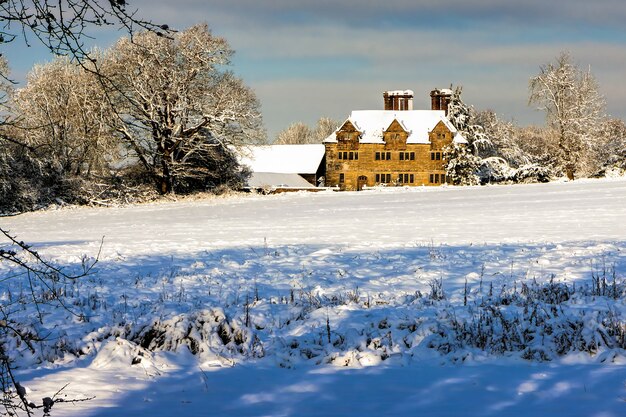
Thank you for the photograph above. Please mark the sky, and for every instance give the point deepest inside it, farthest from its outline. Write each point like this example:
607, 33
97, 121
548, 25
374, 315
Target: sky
308, 59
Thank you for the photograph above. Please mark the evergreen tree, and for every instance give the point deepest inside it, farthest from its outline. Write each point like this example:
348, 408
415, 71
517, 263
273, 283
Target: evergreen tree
462, 160
461, 165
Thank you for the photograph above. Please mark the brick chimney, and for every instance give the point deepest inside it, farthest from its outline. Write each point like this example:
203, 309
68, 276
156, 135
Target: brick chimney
440, 99
398, 100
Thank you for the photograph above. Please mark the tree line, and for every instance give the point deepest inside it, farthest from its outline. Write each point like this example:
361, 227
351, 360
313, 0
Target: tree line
162, 113
578, 140
155, 114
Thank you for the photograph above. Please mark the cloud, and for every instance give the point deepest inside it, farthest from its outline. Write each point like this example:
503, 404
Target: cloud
312, 58
425, 13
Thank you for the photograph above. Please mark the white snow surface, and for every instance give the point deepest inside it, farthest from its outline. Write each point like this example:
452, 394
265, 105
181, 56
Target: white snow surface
400, 92
357, 262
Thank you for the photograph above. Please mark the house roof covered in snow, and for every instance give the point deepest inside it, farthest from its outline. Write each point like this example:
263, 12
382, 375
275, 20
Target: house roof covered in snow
283, 159
418, 123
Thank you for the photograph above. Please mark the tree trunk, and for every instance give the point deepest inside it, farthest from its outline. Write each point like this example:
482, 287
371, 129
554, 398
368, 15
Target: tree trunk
165, 186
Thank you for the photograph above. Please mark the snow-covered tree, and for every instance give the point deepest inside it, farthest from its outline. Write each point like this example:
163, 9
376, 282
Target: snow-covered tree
463, 117
611, 149
496, 146
6, 88
300, 133
61, 26
463, 162
177, 107
574, 110
461, 165
63, 115
502, 137
324, 128
295, 133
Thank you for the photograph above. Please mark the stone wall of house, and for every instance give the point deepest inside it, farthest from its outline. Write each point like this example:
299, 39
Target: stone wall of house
350, 165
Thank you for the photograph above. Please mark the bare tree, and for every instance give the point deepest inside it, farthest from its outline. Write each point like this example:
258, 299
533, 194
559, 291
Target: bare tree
324, 128
63, 115
296, 133
177, 106
62, 25
26, 179
574, 110
6, 87
300, 133
40, 274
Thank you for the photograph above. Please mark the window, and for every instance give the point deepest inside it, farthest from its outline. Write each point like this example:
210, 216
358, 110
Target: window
377, 156
345, 155
342, 178
383, 178
356, 156
388, 156
432, 157
407, 156
350, 156
406, 178
437, 156
437, 178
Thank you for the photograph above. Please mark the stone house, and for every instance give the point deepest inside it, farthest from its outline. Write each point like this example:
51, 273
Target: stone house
395, 146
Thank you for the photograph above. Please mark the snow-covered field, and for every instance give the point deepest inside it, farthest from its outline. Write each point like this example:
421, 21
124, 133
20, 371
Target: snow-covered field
503, 300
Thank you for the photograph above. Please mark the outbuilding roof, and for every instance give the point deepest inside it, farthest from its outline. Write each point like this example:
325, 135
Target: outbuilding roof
283, 159
276, 180
418, 123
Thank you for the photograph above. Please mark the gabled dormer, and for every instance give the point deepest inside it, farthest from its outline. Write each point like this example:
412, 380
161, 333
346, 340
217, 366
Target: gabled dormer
440, 136
348, 136
395, 136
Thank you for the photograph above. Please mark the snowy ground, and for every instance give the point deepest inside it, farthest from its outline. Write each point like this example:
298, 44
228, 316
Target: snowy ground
322, 304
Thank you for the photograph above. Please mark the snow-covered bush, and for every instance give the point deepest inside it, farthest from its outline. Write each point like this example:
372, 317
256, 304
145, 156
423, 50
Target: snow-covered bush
532, 173
461, 165
495, 169
29, 181
202, 332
